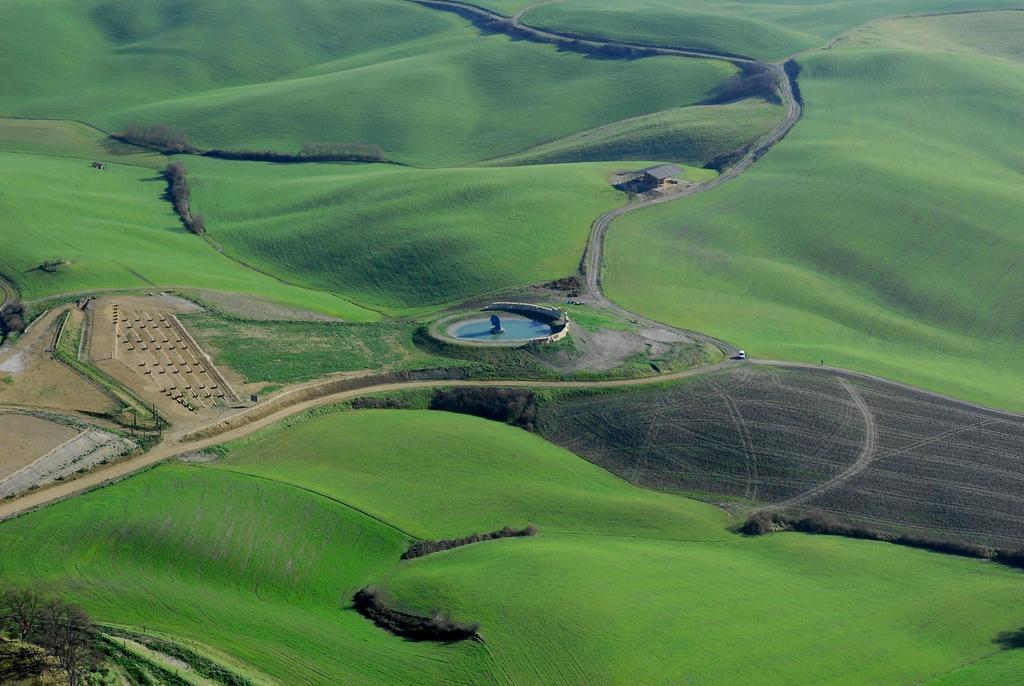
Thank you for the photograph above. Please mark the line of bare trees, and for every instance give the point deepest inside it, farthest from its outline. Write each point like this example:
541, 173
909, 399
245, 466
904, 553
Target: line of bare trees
421, 548
767, 522
163, 137
60, 628
173, 140
310, 152
373, 604
178, 193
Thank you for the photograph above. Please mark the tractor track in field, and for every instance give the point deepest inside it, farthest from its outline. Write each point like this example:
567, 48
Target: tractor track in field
864, 458
590, 267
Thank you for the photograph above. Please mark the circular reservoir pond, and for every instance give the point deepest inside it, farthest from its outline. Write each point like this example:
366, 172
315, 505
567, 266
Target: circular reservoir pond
515, 327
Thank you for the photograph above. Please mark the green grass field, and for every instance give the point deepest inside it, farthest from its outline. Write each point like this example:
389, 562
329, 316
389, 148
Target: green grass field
257, 554
286, 352
441, 475
424, 84
398, 238
766, 29
116, 231
882, 235
71, 139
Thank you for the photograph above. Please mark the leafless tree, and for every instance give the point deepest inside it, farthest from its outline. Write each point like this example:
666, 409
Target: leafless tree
20, 609
68, 634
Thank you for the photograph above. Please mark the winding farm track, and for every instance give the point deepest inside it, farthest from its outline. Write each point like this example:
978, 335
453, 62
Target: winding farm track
593, 257
8, 293
590, 266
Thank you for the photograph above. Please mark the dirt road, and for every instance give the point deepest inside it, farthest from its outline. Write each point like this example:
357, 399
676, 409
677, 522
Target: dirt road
176, 446
592, 261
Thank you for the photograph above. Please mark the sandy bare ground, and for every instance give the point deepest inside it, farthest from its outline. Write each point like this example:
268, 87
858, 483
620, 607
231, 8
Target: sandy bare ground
81, 452
30, 377
23, 438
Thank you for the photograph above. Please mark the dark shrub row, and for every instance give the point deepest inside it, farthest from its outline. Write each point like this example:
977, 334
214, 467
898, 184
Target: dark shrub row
373, 402
792, 69
766, 522
174, 140
53, 266
511, 405
372, 604
311, 152
163, 137
421, 548
12, 318
752, 80
178, 194
581, 45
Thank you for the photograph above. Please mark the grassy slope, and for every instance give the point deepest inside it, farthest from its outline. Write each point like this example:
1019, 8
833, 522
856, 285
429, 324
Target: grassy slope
71, 139
257, 569
404, 238
285, 352
881, 235
615, 585
997, 670
766, 29
424, 84
783, 610
692, 135
123, 235
441, 475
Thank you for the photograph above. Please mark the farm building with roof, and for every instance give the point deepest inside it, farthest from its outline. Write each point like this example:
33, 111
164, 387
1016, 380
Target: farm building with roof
660, 175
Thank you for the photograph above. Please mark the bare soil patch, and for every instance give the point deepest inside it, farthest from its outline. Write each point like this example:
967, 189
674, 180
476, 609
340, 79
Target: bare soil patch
809, 440
24, 438
37, 380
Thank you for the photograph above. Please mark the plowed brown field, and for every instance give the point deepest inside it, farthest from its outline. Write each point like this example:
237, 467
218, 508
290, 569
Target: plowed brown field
809, 439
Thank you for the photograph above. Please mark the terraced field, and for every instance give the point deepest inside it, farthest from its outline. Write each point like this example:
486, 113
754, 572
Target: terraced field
882, 235
765, 29
257, 555
810, 440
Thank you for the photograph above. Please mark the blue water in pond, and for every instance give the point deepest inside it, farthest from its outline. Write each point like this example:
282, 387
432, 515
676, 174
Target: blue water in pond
516, 328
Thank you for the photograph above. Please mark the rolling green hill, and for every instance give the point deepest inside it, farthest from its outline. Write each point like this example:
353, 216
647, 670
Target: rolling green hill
423, 84
116, 231
256, 556
765, 29
400, 238
701, 136
882, 235
441, 475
